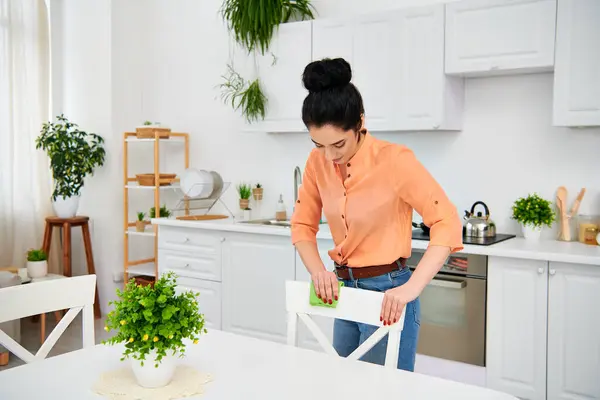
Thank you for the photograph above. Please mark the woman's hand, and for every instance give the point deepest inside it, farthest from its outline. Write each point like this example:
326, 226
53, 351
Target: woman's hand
394, 302
326, 285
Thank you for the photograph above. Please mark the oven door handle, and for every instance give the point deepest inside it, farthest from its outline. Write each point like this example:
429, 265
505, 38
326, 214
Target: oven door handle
448, 283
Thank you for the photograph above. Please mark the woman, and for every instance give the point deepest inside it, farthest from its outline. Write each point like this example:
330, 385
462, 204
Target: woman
367, 189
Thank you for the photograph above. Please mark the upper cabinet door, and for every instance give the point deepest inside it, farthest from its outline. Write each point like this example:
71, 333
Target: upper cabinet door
364, 42
424, 97
280, 71
397, 60
577, 69
500, 36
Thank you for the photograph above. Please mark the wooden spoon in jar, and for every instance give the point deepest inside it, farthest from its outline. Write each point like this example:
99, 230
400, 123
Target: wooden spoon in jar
561, 204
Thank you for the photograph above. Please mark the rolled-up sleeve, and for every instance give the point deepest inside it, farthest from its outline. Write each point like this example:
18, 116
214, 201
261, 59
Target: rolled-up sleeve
307, 211
423, 193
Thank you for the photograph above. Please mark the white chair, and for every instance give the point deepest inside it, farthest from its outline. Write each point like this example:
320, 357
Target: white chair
75, 294
356, 305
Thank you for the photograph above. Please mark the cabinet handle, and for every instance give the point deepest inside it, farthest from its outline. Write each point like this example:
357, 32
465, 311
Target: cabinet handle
222, 239
552, 271
540, 270
493, 67
436, 126
186, 266
186, 240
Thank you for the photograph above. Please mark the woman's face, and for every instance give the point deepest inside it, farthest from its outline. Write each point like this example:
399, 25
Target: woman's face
336, 144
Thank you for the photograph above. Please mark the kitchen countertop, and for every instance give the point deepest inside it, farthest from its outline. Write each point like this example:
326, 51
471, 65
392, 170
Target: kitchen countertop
547, 250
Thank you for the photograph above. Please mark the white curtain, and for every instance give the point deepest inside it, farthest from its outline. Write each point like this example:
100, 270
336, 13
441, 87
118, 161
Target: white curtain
25, 182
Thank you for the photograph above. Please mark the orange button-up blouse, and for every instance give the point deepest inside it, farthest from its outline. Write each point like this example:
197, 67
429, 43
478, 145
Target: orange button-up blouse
370, 210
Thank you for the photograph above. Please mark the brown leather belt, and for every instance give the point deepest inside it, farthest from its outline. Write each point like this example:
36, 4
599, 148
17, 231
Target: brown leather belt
349, 273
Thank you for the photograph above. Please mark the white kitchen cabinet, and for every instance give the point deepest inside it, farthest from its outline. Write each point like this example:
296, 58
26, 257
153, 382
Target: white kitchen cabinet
305, 339
573, 332
195, 256
577, 65
397, 60
491, 37
209, 299
280, 71
516, 327
543, 339
255, 268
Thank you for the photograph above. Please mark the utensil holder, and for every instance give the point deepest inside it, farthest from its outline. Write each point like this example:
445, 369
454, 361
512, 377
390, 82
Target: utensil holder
568, 228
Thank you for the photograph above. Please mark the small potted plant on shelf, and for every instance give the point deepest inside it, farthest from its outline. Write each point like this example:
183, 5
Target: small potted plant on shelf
37, 263
533, 213
257, 192
244, 193
140, 224
163, 212
152, 322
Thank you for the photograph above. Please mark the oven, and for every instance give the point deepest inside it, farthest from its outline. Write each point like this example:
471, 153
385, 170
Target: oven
453, 309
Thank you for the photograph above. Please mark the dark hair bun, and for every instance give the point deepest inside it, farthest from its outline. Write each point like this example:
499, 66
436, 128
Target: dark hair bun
326, 74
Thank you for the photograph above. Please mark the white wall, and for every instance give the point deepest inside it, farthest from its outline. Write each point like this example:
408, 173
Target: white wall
507, 148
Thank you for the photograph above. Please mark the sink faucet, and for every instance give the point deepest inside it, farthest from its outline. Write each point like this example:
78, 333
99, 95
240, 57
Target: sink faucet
297, 183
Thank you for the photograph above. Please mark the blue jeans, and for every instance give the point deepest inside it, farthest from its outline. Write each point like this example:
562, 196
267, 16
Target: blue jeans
348, 335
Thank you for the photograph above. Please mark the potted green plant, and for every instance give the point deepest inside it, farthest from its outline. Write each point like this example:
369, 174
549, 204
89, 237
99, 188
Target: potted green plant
257, 192
140, 224
254, 30
248, 96
163, 212
244, 192
37, 263
154, 322
74, 154
533, 213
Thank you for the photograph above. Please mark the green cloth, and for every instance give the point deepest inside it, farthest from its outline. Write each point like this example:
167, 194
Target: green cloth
315, 301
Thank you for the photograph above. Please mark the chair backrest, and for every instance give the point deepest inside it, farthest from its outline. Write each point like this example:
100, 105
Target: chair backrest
75, 294
356, 305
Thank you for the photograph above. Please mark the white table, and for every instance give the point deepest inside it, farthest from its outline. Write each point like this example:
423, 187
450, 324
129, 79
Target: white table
242, 368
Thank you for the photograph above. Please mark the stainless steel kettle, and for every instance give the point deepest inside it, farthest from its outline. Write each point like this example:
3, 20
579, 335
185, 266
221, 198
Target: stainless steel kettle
479, 225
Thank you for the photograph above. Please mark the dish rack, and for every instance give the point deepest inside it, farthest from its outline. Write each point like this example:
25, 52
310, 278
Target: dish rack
145, 270
197, 208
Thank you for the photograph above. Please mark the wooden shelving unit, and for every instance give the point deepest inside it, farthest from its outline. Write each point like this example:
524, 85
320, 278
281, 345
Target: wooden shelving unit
146, 266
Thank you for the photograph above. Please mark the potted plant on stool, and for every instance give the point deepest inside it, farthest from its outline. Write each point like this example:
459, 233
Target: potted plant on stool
37, 263
74, 154
533, 213
153, 321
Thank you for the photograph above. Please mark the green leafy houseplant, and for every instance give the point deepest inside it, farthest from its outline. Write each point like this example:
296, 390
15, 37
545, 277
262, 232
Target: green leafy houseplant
244, 191
533, 211
164, 212
153, 318
36, 255
74, 154
253, 22
248, 96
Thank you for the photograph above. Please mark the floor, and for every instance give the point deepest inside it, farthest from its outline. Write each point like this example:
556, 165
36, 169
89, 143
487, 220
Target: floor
69, 341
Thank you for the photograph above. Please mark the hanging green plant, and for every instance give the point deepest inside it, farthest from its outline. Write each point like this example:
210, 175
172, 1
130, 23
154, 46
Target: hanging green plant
253, 21
241, 94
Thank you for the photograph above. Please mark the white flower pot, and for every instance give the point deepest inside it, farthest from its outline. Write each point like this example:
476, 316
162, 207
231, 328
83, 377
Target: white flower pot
149, 376
531, 232
37, 269
66, 208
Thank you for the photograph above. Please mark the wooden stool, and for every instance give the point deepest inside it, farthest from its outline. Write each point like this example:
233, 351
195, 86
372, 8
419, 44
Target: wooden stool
66, 224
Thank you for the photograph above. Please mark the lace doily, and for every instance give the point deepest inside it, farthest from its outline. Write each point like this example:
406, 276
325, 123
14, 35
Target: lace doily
120, 384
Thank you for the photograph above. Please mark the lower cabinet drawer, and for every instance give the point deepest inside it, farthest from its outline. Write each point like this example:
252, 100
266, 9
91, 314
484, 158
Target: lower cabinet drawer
191, 265
209, 300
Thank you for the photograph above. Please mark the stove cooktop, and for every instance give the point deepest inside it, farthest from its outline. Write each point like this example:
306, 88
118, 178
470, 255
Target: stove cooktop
418, 234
